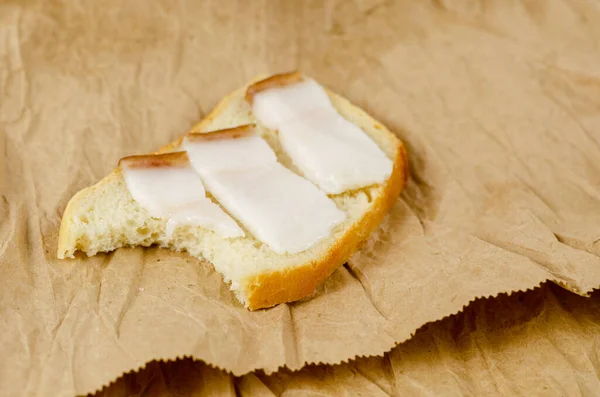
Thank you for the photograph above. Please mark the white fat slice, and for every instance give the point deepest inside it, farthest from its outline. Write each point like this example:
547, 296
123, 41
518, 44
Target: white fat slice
170, 188
330, 151
280, 208
275, 106
230, 154
334, 153
277, 206
206, 214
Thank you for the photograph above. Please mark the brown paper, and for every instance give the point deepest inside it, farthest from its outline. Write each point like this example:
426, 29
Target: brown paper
540, 343
497, 103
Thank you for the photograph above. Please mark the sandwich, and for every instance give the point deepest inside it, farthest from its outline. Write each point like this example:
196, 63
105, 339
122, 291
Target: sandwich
277, 187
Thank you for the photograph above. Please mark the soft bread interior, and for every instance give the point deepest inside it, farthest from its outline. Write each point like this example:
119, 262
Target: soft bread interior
104, 217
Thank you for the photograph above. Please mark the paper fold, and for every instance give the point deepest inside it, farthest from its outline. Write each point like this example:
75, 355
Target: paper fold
535, 343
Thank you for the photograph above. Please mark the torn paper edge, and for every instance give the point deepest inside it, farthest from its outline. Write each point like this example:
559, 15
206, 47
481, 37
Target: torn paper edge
333, 363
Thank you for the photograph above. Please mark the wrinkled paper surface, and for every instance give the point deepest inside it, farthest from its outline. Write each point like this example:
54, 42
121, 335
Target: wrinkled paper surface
498, 103
539, 343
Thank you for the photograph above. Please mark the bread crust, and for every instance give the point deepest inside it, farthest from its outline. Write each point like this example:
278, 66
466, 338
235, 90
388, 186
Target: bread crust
269, 289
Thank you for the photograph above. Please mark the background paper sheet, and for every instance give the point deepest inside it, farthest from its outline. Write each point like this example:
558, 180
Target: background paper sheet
497, 101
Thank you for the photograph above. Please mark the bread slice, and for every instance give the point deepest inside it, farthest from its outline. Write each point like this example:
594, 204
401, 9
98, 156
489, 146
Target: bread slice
104, 217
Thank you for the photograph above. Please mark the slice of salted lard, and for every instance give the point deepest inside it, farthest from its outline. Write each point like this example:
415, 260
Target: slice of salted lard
284, 97
280, 208
168, 187
334, 153
329, 150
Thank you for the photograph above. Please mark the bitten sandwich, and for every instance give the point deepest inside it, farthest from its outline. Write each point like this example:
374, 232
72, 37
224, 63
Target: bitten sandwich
277, 187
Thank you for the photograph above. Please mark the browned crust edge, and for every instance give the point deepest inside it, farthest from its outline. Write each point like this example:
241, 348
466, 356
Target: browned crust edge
172, 159
275, 81
241, 131
270, 289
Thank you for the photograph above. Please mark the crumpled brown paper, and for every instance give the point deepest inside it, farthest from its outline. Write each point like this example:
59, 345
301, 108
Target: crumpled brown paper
497, 102
540, 343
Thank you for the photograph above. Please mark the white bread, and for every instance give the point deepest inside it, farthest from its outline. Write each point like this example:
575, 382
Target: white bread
104, 217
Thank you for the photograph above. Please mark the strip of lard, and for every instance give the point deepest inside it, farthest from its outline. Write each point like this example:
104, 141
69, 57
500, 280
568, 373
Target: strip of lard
275, 106
280, 208
332, 152
168, 187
